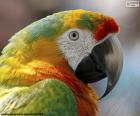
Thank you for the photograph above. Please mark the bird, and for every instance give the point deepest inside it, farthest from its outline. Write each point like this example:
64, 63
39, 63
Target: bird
47, 67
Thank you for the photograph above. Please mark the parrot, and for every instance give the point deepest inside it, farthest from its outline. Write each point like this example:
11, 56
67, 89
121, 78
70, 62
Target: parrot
47, 67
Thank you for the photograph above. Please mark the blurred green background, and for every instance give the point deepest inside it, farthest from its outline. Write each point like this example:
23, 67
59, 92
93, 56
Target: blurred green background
124, 100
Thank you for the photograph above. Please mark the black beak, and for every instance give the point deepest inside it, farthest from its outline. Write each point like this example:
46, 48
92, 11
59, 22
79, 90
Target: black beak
105, 60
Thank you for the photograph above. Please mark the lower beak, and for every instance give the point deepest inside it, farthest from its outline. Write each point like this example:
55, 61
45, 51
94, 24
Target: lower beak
106, 60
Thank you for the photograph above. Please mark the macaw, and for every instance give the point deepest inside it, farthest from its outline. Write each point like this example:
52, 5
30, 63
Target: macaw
47, 67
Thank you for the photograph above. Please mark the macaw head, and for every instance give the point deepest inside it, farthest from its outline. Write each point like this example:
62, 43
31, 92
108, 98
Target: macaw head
86, 40
91, 47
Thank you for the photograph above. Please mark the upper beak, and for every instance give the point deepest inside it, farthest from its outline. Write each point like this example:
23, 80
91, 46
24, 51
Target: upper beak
106, 60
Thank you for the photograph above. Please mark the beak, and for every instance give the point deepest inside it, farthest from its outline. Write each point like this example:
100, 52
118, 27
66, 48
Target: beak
105, 60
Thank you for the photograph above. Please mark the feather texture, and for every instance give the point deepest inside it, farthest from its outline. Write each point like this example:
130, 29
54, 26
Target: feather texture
32, 58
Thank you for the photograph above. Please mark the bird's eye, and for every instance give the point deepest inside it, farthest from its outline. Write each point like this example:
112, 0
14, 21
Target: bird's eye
74, 35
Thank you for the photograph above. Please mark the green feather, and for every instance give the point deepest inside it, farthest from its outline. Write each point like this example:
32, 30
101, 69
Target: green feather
85, 22
49, 97
49, 28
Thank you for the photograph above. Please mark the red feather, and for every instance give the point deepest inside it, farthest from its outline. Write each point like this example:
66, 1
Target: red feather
105, 28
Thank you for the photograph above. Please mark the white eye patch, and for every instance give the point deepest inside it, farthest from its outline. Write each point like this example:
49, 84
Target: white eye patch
75, 44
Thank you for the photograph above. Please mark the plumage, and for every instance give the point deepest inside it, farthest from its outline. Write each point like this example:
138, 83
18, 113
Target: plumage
35, 75
34, 100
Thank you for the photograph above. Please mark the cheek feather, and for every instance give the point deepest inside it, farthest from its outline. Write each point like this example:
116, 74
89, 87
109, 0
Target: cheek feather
75, 51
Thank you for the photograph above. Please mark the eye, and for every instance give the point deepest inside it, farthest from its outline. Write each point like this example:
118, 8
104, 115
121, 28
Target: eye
74, 35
